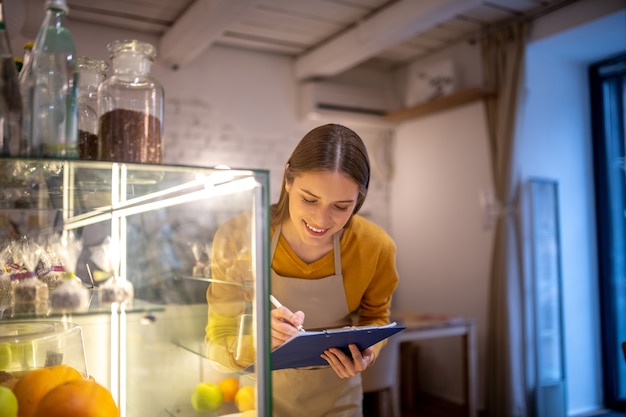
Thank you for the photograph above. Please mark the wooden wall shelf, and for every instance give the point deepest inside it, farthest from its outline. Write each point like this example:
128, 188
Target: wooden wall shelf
438, 104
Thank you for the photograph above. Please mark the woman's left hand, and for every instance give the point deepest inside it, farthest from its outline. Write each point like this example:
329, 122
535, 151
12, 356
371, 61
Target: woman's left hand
343, 365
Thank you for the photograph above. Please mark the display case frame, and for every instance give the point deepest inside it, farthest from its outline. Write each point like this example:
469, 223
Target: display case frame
123, 201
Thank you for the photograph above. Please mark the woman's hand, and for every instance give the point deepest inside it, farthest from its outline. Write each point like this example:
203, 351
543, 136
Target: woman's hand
284, 324
344, 366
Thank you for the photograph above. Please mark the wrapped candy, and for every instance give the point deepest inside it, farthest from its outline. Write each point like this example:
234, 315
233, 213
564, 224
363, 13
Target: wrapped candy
52, 271
30, 295
113, 289
69, 294
116, 290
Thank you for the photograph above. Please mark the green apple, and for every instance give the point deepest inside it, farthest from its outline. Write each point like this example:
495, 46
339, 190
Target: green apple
8, 401
5, 356
206, 396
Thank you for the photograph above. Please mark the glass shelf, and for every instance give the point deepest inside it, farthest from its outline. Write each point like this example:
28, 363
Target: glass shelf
228, 410
95, 308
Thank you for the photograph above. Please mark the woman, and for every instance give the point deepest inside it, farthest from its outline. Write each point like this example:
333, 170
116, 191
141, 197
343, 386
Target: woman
330, 268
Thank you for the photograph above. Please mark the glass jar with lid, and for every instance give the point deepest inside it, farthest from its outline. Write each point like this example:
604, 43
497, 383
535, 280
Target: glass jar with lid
91, 72
130, 106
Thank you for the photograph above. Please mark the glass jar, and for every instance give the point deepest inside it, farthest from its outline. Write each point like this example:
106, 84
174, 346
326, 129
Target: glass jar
28, 345
130, 106
91, 72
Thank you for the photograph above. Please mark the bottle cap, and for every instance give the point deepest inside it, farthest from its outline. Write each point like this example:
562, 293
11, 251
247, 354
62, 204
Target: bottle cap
57, 4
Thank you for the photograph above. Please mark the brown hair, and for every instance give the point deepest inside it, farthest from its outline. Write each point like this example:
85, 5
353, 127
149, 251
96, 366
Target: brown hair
329, 148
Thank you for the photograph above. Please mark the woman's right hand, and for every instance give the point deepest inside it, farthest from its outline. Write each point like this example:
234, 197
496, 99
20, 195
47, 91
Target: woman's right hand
284, 324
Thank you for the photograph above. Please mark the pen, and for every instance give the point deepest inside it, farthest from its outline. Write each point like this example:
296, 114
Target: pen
277, 304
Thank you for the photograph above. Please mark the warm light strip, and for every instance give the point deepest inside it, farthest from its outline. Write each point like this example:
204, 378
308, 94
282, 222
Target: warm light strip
211, 191
123, 347
73, 223
121, 219
115, 346
89, 218
162, 193
219, 177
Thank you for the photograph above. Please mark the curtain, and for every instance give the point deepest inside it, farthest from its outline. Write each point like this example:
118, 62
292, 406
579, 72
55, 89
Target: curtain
503, 51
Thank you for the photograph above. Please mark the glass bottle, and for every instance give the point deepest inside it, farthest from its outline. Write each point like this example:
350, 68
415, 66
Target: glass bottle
25, 93
91, 72
53, 83
10, 101
130, 104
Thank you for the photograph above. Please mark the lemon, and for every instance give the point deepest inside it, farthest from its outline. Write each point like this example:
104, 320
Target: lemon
8, 401
244, 399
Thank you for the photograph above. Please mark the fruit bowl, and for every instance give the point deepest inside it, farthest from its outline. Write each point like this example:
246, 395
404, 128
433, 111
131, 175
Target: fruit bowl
27, 345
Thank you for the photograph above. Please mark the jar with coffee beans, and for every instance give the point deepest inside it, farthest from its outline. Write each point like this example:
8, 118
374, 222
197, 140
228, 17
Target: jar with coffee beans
130, 106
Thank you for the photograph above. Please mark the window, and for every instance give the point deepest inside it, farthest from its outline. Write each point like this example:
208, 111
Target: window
608, 94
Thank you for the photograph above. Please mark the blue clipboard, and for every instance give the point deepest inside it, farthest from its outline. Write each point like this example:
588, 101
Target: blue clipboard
304, 349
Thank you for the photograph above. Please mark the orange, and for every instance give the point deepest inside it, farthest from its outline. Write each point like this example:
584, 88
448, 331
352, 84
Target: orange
31, 387
229, 387
245, 398
82, 397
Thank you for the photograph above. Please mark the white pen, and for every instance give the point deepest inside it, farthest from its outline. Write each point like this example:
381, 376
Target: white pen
277, 304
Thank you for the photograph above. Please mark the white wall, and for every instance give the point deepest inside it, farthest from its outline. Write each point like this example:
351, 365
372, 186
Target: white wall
443, 243
442, 164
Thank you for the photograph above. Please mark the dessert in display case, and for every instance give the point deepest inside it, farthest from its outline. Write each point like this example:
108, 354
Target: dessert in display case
124, 255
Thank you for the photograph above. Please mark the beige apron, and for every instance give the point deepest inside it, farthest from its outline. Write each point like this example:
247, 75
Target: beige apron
315, 391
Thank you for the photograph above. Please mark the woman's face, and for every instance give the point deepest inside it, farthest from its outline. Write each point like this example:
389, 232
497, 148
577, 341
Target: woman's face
320, 204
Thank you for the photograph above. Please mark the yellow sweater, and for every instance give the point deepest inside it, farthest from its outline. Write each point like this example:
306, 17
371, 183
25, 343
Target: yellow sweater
368, 263
368, 267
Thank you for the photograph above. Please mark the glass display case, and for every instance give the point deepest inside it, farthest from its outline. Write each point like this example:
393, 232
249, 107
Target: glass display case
138, 240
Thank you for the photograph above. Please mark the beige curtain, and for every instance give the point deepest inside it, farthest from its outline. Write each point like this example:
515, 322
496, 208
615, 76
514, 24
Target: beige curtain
503, 52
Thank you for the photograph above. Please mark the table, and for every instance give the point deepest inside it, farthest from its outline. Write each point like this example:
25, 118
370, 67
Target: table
423, 326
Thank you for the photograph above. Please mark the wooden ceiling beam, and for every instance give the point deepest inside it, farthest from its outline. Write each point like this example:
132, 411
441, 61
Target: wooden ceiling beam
390, 26
198, 28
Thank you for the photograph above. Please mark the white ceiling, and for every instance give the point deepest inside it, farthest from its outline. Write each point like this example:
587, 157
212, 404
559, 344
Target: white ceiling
326, 37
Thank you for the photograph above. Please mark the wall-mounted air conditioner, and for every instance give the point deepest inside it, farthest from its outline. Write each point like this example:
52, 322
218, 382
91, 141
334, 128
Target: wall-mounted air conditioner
343, 102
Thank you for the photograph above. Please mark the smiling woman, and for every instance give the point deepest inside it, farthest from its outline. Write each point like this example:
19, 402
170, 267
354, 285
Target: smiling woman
330, 268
